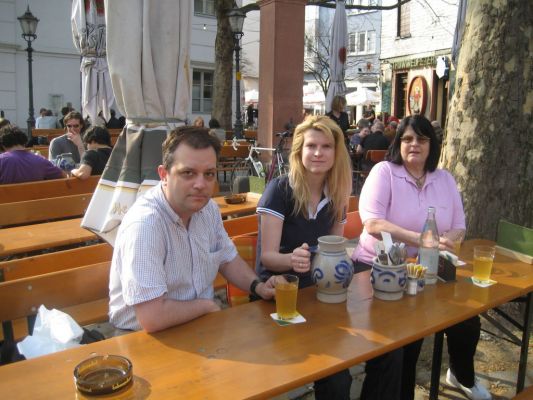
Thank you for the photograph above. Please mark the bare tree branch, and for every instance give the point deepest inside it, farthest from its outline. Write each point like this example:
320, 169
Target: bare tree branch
331, 4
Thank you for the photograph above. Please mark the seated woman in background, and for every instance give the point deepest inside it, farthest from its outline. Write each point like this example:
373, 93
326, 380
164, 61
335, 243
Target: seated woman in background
199, 122
94, 160
395, 199
297, 209
17, 164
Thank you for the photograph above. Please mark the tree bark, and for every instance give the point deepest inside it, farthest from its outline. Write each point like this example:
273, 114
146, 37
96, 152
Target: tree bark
488, 145
223, 66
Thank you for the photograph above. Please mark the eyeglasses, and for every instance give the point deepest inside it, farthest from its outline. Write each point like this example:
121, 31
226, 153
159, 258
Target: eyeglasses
411, 139
73, 126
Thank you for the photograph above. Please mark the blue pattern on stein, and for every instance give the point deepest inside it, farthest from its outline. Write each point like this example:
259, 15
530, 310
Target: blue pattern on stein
343, 273
318, 274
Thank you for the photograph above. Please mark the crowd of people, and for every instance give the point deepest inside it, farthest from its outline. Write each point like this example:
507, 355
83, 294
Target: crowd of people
82, 151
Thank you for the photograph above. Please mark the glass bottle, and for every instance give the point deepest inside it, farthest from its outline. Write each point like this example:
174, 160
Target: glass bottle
428, 251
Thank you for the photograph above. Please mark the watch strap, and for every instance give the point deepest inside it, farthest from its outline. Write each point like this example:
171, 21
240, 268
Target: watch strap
253, 286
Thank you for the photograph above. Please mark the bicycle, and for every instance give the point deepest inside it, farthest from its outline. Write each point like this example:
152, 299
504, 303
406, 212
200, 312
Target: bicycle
253, 165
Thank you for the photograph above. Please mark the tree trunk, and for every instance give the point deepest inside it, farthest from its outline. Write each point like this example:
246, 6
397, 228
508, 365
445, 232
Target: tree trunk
489, 140
223, 66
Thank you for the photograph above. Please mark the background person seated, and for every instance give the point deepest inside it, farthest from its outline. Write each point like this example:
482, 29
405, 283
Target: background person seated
216, 130
48, 121
198, 122
20, 165
98, 143
71, 141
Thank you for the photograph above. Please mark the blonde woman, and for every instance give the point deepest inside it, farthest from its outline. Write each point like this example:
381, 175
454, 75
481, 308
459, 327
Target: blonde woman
297, 209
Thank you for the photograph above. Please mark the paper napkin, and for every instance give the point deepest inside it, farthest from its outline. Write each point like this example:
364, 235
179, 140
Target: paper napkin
488, 283
283, 322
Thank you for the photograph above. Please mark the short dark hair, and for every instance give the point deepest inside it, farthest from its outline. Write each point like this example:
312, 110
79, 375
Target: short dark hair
97, 134
193, 136
213, 123
11, 136
74, 115
422, 127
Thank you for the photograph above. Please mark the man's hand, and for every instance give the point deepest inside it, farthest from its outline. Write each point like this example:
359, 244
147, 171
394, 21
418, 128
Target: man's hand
266, 289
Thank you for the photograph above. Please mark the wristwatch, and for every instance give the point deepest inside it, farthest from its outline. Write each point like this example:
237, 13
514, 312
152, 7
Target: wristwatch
253, 286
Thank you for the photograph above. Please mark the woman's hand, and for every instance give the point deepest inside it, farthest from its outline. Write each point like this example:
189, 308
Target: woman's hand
446, 243
301, 259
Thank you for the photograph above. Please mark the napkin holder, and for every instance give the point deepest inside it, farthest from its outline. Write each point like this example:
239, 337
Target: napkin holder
447, 270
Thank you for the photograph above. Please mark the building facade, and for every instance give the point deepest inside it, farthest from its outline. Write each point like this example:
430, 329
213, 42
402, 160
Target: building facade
56, 62
415, 57
362, 65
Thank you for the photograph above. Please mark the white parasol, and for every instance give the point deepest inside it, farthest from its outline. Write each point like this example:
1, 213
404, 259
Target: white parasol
363, 97
89, 34
148, 46
337, 55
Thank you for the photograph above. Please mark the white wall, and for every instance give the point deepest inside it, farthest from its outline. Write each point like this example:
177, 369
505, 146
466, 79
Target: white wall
55, 59
432, 28
250, 42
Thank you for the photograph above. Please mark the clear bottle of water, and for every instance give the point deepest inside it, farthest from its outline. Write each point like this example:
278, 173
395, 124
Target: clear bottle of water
428, 252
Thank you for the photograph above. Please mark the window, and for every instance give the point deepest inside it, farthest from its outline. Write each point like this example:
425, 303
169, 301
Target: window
310, 47
206, 7
202, 91
404, 20
362, 42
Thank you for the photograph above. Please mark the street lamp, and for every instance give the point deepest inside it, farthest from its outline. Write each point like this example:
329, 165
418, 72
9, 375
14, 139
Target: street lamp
28, 23
236, 20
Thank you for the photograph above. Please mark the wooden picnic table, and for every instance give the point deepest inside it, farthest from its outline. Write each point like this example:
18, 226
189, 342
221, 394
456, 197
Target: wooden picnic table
22, 239
242, 353
248, 207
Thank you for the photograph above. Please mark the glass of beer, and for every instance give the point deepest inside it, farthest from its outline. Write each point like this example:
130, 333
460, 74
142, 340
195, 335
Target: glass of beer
457, 238
286, 295
483, 258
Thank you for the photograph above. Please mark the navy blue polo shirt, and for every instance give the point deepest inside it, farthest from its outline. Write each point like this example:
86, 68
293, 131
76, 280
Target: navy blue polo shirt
277, 200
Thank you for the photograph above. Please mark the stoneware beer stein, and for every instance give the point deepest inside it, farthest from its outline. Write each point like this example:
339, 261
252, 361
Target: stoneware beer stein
332, 269
388, 281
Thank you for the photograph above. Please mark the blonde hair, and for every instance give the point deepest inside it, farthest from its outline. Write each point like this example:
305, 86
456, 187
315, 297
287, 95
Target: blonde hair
339, 177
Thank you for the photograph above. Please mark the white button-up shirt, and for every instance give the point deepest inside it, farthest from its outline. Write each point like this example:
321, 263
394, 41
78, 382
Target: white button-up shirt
156, 255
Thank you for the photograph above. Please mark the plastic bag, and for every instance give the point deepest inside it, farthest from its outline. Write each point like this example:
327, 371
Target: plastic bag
53, 331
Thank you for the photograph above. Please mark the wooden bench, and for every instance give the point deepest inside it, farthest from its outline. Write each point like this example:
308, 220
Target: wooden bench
86, 285
98, 255
241, 226
53, 262
53, 133
44, 189
32, 211
353, 227
229, 158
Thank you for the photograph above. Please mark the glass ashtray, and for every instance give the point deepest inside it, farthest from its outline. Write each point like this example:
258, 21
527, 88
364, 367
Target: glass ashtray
236, 198
103, 374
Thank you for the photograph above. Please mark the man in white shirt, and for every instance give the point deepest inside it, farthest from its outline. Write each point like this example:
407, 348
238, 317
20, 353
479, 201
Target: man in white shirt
172, 243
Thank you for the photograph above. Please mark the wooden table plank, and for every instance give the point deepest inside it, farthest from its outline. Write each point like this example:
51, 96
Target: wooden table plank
28, 238
248, 207
241, 351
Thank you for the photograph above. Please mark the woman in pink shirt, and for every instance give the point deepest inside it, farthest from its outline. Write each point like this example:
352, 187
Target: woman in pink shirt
395, 199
